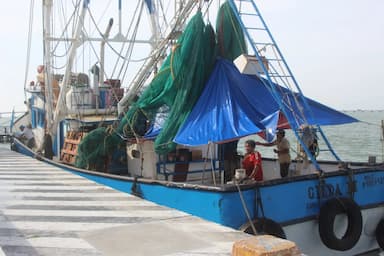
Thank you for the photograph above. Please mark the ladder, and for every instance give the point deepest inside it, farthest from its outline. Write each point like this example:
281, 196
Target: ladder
275, 72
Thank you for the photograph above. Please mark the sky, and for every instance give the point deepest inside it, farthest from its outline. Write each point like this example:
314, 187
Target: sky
335, 49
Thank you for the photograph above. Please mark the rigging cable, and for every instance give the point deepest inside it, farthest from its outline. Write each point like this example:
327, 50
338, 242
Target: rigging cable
131, 44
101, 17
63, 34
29, 45
130, 49
123, 45
107, 42
291, 90
165, 22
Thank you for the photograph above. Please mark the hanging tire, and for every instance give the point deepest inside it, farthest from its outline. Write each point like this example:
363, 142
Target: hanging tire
264, 226
380, 234
327, 216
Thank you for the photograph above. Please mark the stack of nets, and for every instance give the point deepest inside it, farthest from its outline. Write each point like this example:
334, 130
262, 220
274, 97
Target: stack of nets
94, 150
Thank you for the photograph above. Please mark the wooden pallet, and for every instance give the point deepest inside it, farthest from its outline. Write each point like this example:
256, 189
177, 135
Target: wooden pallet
69, 150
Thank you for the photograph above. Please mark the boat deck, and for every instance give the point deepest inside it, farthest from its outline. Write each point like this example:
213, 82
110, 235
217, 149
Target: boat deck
48, 211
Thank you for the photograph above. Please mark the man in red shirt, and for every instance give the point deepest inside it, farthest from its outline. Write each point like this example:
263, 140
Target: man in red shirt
252, 161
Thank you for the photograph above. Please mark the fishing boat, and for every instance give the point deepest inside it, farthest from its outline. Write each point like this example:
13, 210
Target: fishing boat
169, 132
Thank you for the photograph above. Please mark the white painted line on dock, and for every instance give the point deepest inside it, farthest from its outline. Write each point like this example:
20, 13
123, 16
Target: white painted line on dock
72, 194
64, 188
57, 226
21, 162
47, 182
55, 242
166, 213
13, 159
16, 168
42, 176
121, 202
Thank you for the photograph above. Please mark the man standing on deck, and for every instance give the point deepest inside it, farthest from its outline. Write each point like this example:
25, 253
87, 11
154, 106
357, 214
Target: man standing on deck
282, 151
27, 135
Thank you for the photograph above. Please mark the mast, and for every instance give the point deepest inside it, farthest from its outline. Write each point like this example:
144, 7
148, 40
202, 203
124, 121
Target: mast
47, 14
154, 20
60, 106
102, 50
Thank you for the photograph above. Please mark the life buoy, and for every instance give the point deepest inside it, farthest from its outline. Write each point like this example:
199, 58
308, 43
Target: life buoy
264, 226
379, 232
327, 216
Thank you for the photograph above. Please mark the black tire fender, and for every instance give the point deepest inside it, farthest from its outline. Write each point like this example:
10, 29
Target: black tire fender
379, 232
328, 212
264, 226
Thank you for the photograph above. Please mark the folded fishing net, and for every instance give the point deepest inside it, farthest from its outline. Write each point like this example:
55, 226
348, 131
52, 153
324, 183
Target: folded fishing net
230, 37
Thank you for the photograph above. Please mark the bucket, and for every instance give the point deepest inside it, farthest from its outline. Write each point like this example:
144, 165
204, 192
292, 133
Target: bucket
240, 174
103, 97
79, 98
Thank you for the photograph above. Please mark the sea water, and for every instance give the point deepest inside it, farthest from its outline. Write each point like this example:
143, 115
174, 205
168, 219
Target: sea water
354, 142
351, 142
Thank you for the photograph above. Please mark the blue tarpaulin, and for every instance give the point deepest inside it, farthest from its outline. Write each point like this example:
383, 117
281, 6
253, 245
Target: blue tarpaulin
235, 105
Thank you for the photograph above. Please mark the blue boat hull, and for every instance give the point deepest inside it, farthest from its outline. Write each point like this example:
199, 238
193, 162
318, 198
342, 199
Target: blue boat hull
286, 201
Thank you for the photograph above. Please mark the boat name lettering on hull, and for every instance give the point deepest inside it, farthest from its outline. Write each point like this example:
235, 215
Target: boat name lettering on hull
372, 180
324, 191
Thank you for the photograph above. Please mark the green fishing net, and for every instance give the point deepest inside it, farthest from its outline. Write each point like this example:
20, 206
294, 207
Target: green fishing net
94, 150
177, 86
174, 90
230, 36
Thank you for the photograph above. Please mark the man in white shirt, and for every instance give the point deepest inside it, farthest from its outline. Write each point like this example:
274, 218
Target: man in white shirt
27, 135
282, 151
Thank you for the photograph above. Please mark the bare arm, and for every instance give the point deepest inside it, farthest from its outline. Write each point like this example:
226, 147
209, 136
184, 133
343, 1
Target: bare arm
273, 143
255, 170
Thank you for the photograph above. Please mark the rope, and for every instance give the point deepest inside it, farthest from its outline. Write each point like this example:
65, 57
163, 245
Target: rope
172, 57
205, 164
246, 209
213, 171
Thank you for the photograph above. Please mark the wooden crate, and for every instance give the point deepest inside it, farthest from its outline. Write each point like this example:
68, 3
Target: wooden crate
70, 147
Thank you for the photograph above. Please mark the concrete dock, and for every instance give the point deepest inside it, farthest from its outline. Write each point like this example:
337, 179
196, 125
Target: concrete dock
48, 211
